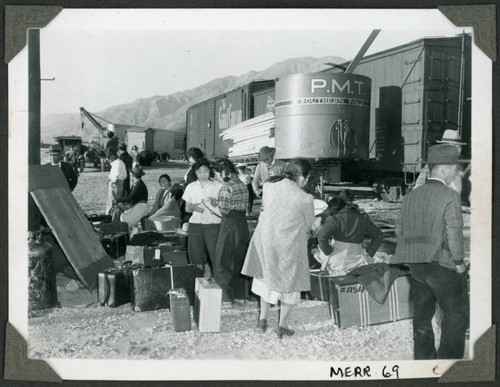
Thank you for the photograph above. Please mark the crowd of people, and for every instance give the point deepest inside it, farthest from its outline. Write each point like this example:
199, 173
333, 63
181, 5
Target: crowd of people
215, 198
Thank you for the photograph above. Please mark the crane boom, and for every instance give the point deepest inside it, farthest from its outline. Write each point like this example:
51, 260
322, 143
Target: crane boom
105, 132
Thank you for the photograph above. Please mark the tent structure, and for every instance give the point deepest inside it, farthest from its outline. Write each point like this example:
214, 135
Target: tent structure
49, 189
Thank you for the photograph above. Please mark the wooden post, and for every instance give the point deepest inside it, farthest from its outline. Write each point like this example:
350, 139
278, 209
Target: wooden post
34, 216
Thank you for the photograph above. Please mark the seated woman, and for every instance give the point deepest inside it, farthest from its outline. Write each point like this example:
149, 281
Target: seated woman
345, 228
167, 199
133, 207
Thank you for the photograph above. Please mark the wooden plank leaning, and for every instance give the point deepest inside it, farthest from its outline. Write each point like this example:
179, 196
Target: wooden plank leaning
49, 189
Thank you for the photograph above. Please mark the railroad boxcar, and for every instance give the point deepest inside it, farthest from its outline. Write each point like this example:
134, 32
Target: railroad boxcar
419, 90
206, 120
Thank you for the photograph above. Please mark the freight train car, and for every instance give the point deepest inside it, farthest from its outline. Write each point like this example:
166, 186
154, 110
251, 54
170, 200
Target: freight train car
419, 90
416, 91
206, 120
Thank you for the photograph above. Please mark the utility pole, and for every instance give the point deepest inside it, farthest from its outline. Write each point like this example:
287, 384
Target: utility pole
34, 98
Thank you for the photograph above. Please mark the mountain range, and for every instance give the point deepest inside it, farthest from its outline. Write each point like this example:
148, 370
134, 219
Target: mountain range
169, 112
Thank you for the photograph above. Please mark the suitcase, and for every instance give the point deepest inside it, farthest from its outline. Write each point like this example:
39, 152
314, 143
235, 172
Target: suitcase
207, 305
180, 310
115, 244
94, 218
175, 239
162, 223
146, 238
113, 285
350, 304
150, 285
319, 284
157, 256
166, 253
184, 276
111, 228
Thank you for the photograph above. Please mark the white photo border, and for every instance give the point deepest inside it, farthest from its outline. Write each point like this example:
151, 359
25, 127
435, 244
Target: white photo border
203, 19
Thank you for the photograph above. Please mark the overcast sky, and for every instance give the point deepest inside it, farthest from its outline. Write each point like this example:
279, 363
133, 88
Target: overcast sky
101, 65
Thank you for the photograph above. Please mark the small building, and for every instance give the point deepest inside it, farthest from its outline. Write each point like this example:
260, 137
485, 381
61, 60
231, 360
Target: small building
158, 141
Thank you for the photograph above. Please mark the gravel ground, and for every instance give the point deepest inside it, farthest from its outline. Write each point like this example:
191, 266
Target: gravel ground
79, 328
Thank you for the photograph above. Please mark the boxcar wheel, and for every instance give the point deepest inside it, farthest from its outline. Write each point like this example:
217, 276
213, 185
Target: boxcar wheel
165, 157
156, 156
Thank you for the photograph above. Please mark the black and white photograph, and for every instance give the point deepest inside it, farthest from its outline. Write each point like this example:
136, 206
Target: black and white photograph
262, 194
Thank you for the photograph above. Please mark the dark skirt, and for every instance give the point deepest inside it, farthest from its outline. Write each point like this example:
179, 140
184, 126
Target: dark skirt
230, 252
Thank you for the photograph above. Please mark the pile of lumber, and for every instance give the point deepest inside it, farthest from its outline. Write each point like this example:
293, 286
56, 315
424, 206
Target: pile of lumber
251, 135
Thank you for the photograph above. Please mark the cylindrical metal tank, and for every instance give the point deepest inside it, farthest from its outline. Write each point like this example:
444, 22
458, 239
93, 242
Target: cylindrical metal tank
322, 116
42, 290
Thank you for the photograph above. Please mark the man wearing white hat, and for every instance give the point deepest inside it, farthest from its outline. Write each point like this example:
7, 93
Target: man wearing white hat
451, 137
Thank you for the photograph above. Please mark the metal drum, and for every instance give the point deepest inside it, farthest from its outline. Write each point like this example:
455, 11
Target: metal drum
322, 116
42, 290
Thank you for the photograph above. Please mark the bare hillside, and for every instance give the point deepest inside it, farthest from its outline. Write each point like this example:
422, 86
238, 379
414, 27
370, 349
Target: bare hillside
169, 112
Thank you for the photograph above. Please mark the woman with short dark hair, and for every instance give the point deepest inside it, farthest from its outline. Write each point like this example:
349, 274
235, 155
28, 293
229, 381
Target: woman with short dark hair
277, 255
133, 207
347, 226
204, 224
167, 198
193, 155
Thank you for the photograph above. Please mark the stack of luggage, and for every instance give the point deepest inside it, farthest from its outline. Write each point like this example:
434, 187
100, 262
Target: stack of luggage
155, 274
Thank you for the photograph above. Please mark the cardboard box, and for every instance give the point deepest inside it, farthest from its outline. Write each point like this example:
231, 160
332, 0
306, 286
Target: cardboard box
207, 305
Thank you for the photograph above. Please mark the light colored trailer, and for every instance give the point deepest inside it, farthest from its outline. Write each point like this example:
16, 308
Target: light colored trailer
165, 144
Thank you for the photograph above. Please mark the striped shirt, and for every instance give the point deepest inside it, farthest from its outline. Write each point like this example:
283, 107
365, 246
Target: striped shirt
233, 196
